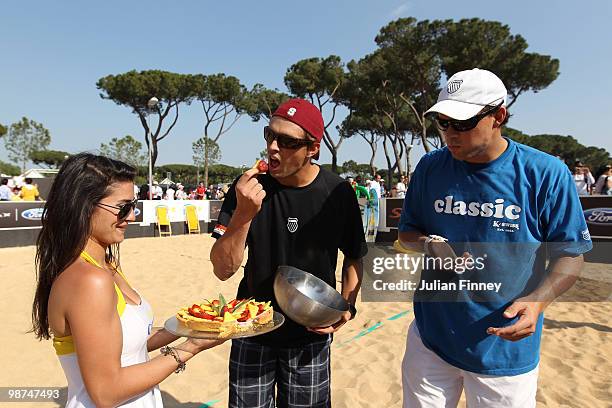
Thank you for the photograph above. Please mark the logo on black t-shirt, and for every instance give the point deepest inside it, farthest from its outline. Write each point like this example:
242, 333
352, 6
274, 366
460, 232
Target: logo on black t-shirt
292, 224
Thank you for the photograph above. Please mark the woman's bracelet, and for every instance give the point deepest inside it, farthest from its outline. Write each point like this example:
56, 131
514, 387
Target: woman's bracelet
170, 351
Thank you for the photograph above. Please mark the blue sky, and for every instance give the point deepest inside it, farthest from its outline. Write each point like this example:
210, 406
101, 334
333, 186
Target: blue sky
52, 54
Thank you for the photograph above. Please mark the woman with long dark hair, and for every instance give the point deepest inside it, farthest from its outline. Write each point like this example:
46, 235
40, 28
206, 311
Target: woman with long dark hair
100, 325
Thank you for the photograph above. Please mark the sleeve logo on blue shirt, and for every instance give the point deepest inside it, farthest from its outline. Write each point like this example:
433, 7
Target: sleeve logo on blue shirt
586, 235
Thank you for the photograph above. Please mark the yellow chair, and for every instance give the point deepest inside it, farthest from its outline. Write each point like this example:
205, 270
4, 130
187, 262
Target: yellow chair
191, 217
163, 221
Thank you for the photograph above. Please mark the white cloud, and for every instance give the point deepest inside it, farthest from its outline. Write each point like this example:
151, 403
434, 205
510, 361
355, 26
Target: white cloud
401, 10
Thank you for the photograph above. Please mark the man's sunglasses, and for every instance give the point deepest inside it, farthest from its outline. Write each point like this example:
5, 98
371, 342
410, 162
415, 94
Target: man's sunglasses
464, 125
284, 141
124, 210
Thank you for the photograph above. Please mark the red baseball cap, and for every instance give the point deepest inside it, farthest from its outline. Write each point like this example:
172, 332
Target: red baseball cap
304, 114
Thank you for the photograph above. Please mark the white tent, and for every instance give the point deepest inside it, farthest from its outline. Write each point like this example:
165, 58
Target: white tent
166, 182
39, 173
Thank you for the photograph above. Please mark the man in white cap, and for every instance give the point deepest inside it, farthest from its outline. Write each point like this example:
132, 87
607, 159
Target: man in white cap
485, 191
180, 192
158, 192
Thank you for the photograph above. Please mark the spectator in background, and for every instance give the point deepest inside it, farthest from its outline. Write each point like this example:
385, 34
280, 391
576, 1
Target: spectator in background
371, 210
144, 192
5, 191
170, 193
29, 192
361, 190
219, 193
16, 194
583, 179
200, 192
375, 184
136, 191
401, 187
158, 192
180, 192
224, 191
383, 189
604, 182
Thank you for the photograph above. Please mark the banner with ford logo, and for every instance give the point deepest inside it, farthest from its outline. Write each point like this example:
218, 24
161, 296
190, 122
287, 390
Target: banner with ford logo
598, 215
21, 214
33, 214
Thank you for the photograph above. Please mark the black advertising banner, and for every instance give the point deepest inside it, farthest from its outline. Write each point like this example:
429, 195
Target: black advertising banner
598, 215
21, 214
393, 211
214, 209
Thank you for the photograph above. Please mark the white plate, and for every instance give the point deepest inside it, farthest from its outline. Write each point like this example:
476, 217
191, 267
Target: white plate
175, 327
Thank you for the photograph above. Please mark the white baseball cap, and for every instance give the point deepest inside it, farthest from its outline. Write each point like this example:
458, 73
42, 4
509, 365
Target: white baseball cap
467, 92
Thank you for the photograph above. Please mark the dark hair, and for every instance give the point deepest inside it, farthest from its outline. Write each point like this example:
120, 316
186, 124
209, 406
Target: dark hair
28, 180
82, 181
144, 192
4, 181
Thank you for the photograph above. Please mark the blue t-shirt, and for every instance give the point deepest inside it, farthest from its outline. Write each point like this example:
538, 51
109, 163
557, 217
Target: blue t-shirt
505, 208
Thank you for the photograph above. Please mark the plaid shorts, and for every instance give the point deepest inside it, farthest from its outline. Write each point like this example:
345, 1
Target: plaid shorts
302, 375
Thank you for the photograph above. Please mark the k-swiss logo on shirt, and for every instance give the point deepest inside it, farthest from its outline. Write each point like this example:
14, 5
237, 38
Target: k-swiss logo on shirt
292, 224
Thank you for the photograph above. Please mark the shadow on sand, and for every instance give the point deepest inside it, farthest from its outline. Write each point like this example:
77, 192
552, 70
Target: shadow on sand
557, 324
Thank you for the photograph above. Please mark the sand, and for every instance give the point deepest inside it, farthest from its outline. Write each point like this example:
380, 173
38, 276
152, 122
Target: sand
576, 364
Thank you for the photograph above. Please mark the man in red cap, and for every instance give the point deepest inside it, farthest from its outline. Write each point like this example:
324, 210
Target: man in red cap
297, 214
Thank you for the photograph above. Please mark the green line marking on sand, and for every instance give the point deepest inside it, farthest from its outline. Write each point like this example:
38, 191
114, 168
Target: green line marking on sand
371, 329
209, 404
397, 316
368, 330
362, 333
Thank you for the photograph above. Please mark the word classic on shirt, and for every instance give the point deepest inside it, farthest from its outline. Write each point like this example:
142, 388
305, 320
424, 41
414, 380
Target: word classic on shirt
496, 209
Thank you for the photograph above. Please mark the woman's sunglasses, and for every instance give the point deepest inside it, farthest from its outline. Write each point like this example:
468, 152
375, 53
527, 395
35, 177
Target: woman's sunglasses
284, 141
124, 210
464, 125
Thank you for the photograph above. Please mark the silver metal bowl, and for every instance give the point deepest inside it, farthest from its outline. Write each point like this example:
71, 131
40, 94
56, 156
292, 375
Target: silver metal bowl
306, 299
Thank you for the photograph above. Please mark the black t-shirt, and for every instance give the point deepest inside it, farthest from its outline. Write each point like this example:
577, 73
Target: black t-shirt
299, 226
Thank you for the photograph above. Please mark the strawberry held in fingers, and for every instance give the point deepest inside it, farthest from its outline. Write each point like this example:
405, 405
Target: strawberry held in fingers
261, 166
